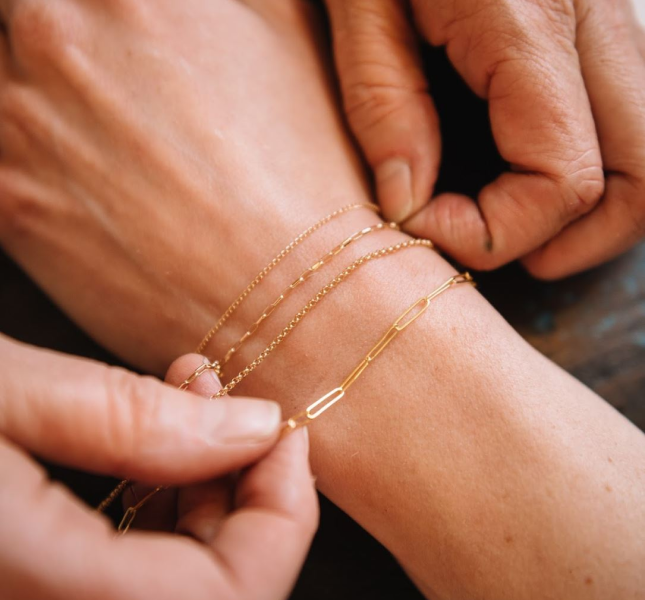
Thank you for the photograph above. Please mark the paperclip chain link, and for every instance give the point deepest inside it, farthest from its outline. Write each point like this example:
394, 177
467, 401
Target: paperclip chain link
417, 309
322, 293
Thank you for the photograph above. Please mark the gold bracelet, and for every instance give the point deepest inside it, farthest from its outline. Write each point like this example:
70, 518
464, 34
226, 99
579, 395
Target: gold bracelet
274, 263
304, 276
320, 406
331, 285
125, 483
334, 283
313, 411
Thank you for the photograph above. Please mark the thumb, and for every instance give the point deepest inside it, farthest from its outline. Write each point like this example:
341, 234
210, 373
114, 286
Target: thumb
91, 416
386, 100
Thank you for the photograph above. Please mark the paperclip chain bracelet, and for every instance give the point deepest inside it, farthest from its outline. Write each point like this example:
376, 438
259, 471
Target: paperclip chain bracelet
334, 283
331, 285
304, 276
320, 406
313, 411
274, 263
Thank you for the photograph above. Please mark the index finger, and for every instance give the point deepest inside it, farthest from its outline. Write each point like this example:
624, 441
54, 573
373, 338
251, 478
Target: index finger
523, 59
91, 416
62, 550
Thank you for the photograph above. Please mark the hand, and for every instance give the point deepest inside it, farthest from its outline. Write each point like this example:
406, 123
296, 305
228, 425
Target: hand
149, 150
565, 80
106, 420
195, 510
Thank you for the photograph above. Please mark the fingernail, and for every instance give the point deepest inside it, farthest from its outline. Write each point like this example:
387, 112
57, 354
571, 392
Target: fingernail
248, 421
305, 435
213, 374
394, 183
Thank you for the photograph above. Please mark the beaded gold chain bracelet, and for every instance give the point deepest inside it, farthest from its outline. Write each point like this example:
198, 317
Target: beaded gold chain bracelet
304, 276
274, 263
320, 406
295, 321
322, 293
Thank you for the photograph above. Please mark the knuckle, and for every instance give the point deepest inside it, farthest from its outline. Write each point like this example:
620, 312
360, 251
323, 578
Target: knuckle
133, 404
368, 105
560, 14
20, 207
585, 186
42, 30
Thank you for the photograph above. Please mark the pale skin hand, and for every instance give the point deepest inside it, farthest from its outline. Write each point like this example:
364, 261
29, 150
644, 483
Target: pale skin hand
106, 420
98, 184
565, 81
196, 510
135, 143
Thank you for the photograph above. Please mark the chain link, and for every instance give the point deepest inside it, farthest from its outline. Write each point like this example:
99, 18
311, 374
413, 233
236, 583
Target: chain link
335, 282
274, 263
304, 276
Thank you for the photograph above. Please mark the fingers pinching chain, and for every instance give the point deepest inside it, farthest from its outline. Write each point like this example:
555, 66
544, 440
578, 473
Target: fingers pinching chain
323, 404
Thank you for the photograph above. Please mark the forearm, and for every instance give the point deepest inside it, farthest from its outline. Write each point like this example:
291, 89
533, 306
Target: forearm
484, 468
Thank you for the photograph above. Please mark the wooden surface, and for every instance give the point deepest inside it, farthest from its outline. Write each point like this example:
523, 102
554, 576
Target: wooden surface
593, 325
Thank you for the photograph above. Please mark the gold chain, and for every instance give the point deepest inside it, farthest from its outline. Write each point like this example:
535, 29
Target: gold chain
335, 282
304, 276
274, 263
313, 411
130, 514
316, 409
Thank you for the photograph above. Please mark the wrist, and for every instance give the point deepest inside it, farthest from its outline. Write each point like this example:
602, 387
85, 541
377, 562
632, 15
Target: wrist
337, 332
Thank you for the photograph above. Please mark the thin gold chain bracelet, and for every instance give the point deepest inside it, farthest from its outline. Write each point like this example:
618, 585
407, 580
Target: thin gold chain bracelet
274, 263
320, 406
304, 276
322, 293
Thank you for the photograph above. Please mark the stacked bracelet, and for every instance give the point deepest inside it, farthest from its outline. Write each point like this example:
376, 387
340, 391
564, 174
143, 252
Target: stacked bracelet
324, 403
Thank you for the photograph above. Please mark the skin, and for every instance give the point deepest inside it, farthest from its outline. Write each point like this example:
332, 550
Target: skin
147, 179
107, 420
565, 82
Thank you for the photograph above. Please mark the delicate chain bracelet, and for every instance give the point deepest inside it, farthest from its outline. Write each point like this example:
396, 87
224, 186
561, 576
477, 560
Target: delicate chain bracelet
316, 409
331, 285
324, 403
274, 263
334, 283
121, 487
304, 276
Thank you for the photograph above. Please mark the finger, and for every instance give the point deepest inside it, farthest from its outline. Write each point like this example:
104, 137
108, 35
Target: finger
90, 416
386, 100
205, 385
202, 508
522, 58
266, 538
615, 76
63, 550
